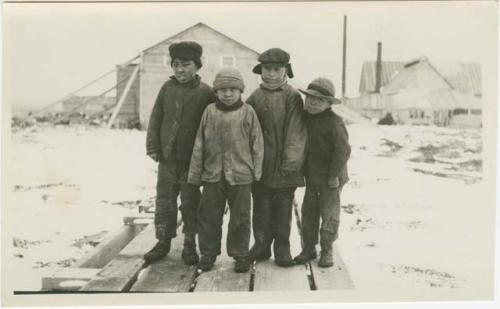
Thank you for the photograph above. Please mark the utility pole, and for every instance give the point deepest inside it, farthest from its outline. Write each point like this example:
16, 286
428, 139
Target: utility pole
344, 56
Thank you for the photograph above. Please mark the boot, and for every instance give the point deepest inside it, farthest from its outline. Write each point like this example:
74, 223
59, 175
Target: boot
189, 254
242, 265
160, 250
282, 256
326, 259
260, 252
308, 253
206, 262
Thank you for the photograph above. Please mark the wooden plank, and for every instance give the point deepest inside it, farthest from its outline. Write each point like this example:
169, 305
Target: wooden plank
109, 247
167, 275
271, 277
120, 272
223, 278
68, 278
333, 278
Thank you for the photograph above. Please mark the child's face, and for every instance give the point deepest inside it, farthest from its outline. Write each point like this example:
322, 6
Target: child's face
229, 96
184, 70
273, 73
315, 105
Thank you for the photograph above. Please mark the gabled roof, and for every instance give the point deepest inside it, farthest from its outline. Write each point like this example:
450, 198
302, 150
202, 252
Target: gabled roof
463, 77
368, 72
198, 25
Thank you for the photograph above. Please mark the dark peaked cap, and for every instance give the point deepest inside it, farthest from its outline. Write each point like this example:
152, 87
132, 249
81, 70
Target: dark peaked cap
186, 50
274, 55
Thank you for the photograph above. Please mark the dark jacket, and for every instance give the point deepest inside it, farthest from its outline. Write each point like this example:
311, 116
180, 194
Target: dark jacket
327, 150
280, 113
175, 119
228, 143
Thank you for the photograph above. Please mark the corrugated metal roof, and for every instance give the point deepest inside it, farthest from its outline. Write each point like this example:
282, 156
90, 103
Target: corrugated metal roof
368, 72
463, 77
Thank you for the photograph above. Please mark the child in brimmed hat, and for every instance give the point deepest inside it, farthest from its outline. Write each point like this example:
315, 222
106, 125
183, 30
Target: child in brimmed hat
325, 170
279, 108
227, 158
171, 132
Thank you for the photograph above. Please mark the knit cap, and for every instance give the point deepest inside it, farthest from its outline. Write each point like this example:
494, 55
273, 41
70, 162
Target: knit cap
228, 78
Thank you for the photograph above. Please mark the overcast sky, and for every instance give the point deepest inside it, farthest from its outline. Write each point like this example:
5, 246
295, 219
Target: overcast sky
51, 49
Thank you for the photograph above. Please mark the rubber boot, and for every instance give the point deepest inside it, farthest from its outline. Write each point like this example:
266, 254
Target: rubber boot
308, 253
260, 252
189, 254
282, 256
207, 262
242, 265
326, 259
160, 250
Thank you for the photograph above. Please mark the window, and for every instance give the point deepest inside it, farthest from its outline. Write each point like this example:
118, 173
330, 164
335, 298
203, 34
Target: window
227, 61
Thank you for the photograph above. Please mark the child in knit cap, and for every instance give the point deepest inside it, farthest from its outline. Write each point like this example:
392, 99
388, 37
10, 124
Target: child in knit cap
227, 158
325, 170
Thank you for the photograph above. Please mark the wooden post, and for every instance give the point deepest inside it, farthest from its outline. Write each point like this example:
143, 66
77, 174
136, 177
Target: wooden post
122, 98
344, 56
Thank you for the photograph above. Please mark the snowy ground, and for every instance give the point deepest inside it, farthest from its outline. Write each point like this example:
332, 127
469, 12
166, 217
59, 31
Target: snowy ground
411, 221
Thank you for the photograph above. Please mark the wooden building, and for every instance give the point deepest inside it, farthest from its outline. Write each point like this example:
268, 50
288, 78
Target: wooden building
154, 69
422, 92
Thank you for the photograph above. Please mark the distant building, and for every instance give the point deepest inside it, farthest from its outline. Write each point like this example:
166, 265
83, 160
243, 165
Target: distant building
219, 51
422, 92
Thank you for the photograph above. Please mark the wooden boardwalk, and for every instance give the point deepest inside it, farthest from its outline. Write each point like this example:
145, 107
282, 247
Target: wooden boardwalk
127, 271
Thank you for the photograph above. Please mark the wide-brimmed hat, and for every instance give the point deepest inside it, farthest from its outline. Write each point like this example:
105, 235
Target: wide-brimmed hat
274, 56
322, 88
228, 78
186, 50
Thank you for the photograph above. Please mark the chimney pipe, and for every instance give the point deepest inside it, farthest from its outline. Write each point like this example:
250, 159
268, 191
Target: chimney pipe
378, 69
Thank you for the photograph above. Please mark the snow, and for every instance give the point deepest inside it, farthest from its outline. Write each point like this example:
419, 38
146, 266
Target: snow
410, 221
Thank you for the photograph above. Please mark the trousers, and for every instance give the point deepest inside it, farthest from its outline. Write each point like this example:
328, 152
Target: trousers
324, 203
211, 213
272, 217
170, 184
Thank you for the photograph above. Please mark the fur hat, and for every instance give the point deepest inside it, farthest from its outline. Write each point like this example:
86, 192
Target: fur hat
276, 56
186, 50
322, 88
228, 78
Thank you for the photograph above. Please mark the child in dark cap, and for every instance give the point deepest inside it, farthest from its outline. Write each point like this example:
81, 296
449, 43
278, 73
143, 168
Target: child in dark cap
170, 137
325, 170
279, 108
227, 158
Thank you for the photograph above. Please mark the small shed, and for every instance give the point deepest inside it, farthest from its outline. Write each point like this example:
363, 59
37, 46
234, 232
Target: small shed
153, 69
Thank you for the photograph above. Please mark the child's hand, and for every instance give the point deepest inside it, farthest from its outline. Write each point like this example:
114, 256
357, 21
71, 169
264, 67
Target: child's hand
153, 156
333, 182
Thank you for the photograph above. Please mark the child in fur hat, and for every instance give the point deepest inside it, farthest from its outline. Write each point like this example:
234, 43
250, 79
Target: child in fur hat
227, 158
279, 108
325, 170
170, 137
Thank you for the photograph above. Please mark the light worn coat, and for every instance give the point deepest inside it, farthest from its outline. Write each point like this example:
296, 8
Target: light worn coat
229, 144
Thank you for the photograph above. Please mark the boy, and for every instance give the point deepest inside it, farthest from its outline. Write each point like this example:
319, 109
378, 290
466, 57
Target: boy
171, 132
279, 108
227, 158
325, 170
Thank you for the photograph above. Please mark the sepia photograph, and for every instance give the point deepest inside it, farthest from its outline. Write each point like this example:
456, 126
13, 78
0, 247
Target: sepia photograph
248, 152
